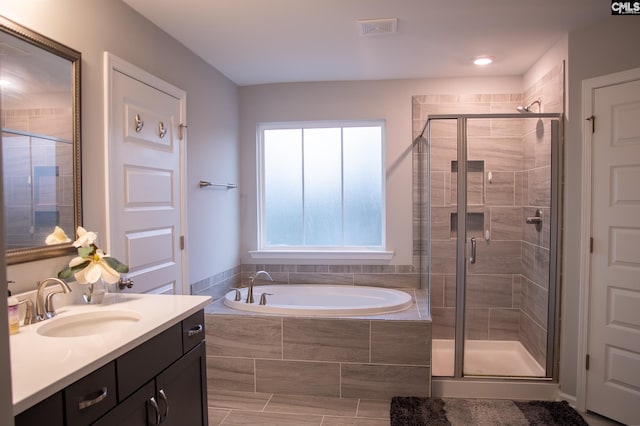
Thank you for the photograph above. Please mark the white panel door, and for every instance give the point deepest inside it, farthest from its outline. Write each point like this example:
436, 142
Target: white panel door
144, 184
613, 378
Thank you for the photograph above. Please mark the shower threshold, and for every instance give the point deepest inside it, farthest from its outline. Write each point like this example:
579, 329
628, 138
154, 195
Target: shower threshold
496, 358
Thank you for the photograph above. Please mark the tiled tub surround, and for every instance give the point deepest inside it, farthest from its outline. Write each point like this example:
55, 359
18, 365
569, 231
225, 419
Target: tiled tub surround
396, 276
373, 357
219, 284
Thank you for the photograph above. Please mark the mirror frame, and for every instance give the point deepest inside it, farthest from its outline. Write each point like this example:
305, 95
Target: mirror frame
30, 254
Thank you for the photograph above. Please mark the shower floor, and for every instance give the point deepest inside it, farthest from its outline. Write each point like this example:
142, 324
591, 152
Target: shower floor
485, 358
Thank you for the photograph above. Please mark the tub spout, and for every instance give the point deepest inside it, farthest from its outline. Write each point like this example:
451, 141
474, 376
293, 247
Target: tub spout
265, 274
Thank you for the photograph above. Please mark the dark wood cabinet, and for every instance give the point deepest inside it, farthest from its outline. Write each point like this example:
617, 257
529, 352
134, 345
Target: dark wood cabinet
184, 386
160, 382
49, 412
177, 396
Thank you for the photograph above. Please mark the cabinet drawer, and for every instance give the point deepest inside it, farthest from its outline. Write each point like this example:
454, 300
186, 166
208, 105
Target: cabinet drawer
192, 331
142, 363
92, 396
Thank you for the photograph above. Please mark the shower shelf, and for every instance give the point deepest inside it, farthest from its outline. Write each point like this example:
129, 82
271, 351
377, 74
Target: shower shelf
475, 224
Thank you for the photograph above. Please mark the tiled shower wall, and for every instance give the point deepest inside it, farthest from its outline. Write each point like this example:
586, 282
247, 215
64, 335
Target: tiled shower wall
507, 289
24, 156
536, 194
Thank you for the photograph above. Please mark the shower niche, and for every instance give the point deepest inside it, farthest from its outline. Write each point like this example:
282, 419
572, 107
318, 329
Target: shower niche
475, 198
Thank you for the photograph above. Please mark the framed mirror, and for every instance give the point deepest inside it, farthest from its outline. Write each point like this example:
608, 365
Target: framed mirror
40, 116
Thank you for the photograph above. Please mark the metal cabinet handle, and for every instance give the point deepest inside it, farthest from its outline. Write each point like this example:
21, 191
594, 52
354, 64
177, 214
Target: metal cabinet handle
102, 395
161, 130
139, 123
195, 330
163, 398
472, 255
154, 404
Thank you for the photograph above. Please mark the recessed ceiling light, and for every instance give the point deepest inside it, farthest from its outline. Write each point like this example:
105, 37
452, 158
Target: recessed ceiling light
483, 60
4, 83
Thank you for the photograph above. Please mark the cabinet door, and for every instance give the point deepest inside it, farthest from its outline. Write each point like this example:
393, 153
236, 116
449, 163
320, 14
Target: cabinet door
182, 390
144, 362
49, 412
137, 410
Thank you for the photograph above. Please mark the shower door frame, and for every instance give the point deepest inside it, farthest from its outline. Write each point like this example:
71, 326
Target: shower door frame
553, 314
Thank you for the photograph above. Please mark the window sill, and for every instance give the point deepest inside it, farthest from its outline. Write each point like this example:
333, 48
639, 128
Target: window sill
321, 255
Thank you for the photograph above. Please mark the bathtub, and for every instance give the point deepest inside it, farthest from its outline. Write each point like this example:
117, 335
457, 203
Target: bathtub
321, 300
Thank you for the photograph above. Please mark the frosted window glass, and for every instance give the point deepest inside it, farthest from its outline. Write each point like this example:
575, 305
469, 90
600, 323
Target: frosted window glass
362, 152
322, 187
283, 187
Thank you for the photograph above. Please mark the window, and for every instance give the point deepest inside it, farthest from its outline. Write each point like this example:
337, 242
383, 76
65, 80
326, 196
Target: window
321, 186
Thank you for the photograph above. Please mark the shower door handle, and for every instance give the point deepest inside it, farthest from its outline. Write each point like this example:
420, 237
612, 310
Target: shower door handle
472, 254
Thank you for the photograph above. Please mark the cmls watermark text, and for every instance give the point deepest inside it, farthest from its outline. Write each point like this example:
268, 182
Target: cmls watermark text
625, 7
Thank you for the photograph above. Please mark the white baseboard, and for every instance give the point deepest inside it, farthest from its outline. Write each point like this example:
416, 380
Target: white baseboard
571, 399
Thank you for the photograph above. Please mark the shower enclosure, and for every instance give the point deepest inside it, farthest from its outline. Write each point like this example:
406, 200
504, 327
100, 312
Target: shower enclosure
488, 188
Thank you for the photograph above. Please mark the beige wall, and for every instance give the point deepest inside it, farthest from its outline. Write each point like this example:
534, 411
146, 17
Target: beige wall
96, 26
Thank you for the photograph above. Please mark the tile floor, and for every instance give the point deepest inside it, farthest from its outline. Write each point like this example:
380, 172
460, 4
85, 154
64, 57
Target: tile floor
266, 409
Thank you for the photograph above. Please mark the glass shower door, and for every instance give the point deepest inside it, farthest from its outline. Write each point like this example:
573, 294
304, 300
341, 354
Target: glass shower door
506, 220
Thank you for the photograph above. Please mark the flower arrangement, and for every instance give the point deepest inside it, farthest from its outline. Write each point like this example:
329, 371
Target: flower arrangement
91, 264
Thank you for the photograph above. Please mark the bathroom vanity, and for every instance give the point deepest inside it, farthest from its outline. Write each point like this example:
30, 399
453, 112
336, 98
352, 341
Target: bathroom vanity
134, 360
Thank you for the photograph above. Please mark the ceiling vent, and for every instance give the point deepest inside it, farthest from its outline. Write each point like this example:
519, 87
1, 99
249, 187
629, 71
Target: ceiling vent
370, 27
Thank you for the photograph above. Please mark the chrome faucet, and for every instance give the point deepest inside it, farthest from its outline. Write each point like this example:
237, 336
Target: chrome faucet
45, 309
253, 280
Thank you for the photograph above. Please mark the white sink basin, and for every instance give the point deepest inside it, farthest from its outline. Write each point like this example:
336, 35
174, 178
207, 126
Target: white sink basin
88, 323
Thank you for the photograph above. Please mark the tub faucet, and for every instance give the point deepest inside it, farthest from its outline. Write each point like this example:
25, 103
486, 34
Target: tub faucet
253, 280
45, 310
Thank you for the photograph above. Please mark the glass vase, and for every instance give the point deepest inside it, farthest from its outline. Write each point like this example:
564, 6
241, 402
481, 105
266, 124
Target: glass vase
94, 293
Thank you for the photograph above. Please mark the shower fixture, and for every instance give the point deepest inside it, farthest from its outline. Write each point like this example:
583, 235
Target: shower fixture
527, 108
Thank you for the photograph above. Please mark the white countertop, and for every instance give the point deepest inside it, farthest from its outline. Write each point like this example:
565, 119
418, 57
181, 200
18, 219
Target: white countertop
41, 366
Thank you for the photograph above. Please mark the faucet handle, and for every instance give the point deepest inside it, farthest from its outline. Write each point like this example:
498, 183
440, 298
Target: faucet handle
29, 313
237, 297
125, 283
49, 309
263, 298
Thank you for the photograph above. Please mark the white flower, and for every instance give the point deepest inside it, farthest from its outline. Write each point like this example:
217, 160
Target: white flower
85, 238
96, 269
58, 236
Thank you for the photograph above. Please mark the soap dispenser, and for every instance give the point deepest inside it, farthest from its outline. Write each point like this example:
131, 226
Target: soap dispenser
14, 316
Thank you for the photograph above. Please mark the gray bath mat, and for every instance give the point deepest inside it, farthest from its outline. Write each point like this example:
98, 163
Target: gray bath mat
413, 411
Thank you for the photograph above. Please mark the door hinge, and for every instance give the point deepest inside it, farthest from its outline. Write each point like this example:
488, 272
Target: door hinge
591, 245
592, 119
181, 242
181, 129
586, 363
